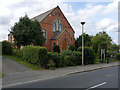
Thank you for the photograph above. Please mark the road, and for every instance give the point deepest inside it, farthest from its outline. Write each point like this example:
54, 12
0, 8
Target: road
101, 78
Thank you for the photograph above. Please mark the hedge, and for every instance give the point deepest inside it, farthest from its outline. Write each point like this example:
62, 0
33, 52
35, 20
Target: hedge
118, 56
17, 53
35, 55
89, 57
6, 48
77, 58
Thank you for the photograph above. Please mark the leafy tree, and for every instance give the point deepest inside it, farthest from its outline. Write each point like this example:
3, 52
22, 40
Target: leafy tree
87, 41
26, 32
101, 41
114, 49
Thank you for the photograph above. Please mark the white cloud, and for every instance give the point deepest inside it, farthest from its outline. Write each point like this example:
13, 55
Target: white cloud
111, 8
90, 14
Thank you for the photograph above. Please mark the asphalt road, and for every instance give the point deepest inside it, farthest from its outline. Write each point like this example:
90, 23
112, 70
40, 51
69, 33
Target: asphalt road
101, 78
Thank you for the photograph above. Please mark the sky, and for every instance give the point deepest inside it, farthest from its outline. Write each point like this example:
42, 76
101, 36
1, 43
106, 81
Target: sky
99, 16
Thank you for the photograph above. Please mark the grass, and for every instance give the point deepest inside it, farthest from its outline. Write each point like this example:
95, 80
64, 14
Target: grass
19, 60
0, 74
110, 60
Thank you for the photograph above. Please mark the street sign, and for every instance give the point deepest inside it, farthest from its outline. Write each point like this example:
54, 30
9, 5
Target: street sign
103, 51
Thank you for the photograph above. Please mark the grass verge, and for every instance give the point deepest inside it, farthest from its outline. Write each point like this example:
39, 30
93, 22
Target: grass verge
0, 74
110, 61
19, 60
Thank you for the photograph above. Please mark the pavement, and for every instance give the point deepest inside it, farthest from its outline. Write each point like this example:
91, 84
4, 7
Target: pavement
26, 75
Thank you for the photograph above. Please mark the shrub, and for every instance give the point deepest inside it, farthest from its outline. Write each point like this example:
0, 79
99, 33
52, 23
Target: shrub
17, 53
77, 58
68, 61
89, 57
63, 54
57, 59
6, 48
118, 56
108, 53
50, 55
31, 54
71, 48
56, 48
35, 55
43, 61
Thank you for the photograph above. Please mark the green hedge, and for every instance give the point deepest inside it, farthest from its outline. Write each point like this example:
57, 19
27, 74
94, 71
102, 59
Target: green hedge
35, 55
118, 56
77, 58
6, 48
89, 57
17, 53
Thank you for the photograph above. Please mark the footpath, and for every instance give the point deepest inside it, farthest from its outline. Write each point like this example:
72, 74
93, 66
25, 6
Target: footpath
29, 76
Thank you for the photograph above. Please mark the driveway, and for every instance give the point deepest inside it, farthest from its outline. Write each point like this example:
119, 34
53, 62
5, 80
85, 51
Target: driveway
11, 66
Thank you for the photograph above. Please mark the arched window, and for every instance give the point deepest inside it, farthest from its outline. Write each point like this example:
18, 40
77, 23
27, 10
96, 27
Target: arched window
44, 33
53, 27
57, 23
60, 27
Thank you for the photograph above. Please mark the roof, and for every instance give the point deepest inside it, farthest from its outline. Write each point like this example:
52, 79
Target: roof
43, 15
56, 35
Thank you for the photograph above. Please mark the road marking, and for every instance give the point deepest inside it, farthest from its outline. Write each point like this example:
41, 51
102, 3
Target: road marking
96, 86
27, 82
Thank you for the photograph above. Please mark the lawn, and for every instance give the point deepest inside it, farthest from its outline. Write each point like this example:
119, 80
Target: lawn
19, 60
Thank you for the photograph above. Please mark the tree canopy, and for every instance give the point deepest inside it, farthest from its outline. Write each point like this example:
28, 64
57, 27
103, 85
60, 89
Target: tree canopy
27, 32
87, 41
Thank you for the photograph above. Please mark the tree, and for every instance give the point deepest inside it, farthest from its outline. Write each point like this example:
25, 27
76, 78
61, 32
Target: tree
87, 41
114, 49
101, 41
26, 32
56, 48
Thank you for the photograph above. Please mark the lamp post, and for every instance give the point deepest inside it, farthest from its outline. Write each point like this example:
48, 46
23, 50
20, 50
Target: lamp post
82, 44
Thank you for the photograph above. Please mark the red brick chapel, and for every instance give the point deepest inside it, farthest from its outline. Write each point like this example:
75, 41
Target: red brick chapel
56, 29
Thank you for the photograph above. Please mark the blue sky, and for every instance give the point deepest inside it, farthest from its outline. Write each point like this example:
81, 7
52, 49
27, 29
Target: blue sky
99, 16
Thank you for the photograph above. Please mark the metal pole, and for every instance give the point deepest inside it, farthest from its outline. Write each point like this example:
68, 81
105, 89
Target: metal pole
82, 46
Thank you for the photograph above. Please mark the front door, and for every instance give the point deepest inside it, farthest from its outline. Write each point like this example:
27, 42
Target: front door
64, 44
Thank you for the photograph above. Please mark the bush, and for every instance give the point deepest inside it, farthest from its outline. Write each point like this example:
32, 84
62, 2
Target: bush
57, 59
35, 55
77, 58
43, 61
108, 53
56, 48
63, 54
89, 57
50, 55
118, 56
68, 61
71, 48
17, 53
6, 48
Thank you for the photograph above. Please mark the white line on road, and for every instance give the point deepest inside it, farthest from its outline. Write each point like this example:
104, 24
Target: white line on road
96, 86
28, 82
